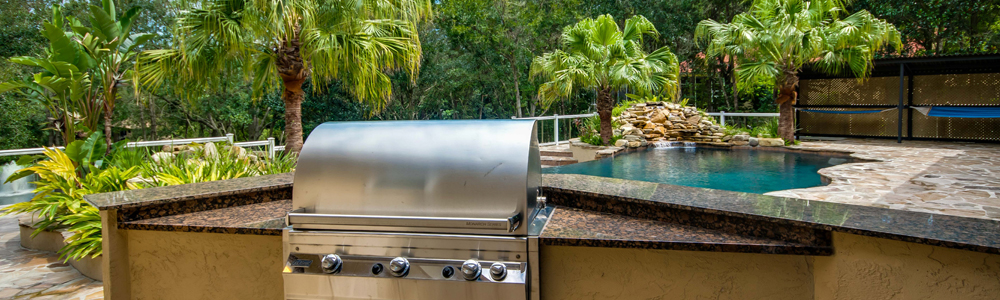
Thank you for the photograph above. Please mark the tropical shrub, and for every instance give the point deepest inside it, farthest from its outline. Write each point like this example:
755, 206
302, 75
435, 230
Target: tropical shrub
772, 41
599, 55
84, 168
59, 199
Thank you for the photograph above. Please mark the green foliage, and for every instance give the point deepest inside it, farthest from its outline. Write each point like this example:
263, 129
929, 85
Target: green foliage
941, 27
776, 38
771, 42
203, 163
274, 43
84, 168
768, 129
589, 129
75, 58
599, 55
59, 199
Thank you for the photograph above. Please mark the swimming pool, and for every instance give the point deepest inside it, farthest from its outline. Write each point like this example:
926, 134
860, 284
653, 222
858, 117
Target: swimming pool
741, 170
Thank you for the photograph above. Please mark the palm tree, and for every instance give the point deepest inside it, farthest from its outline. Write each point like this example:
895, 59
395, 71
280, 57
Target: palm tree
276, 41
597, 54
772, 42
111, 43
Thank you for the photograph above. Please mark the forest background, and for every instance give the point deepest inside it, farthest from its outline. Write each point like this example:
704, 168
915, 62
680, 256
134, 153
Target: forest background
475, 63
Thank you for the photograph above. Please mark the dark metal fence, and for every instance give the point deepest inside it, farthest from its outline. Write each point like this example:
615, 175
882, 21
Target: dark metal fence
947, 81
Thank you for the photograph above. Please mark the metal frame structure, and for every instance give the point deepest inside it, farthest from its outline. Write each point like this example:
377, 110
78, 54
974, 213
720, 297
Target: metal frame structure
555, 120
906, 69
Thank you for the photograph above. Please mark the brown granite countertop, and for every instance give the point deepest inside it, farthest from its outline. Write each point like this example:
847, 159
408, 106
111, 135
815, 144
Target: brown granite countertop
187, 192
576, 227
770, 216
267, 218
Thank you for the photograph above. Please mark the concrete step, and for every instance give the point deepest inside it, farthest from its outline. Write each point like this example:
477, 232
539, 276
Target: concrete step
552, 161
556, 153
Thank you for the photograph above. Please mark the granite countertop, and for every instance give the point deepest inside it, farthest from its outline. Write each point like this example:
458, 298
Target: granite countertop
267, 218
595, 193
576, 227
180, 193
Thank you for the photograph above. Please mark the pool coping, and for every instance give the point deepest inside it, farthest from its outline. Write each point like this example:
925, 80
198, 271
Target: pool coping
674, 202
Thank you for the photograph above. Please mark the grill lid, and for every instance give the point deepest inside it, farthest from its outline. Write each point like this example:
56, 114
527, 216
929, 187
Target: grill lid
467, 176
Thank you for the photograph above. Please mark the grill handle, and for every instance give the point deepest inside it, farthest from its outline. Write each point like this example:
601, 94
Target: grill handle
500, 224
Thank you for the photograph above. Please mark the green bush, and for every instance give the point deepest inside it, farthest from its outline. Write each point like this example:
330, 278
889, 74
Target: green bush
769, 129
65, 177
590, 131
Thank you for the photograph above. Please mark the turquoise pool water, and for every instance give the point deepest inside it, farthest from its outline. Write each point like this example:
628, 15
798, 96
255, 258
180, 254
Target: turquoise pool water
739, 170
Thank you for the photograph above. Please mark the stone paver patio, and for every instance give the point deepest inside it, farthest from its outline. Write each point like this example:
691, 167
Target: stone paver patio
961, 179
32, 274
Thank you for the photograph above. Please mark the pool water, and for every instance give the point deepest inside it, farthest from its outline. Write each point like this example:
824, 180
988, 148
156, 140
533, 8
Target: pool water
738, 170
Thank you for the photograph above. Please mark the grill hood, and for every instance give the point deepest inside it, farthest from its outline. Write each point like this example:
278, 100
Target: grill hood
463, 176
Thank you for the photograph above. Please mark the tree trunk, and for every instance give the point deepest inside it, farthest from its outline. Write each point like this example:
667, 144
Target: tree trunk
109, 110
152, 118
604, 106
293, 74
517, 84
786, 106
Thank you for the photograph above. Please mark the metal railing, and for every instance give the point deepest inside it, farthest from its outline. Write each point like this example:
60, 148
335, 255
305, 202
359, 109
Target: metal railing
555, 120
722, 115
269, 143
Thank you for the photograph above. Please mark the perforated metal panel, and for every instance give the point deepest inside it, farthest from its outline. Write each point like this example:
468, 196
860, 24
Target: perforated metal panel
957, 89
881, 124
981, 89
849, 91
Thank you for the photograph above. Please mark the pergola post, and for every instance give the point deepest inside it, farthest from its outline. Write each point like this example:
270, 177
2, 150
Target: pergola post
899, 108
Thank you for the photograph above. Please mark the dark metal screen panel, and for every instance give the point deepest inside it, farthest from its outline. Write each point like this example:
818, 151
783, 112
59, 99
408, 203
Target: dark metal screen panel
881, 124
955, 128
849, 91
977, 89
956, 89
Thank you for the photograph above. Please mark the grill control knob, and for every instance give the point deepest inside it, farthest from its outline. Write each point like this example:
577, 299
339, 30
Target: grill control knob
399, 267
498, 271
331, 263
471, 270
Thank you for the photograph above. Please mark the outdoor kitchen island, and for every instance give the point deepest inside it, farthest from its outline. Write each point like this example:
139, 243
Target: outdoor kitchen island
604, 239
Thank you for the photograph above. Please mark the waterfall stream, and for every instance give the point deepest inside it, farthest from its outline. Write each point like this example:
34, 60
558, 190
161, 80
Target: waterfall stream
673, 144
18, 191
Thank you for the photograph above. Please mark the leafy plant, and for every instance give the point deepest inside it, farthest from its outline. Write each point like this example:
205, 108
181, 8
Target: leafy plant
282, 44
588, 129
775, 38
112, 45
597, 54
59, 199
84, 168
63, 86
769, 129
86, 238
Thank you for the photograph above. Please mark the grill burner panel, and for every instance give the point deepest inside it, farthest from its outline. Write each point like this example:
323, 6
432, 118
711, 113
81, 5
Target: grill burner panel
430, 257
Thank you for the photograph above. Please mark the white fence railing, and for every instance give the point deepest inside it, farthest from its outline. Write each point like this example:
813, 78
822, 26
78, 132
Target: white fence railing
722, 115
269, 143
555, 120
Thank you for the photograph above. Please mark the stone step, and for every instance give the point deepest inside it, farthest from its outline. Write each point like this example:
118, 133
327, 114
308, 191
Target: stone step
556, 153
551, 161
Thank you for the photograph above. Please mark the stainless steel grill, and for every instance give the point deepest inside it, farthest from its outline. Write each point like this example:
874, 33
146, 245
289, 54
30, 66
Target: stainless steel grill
415, 210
